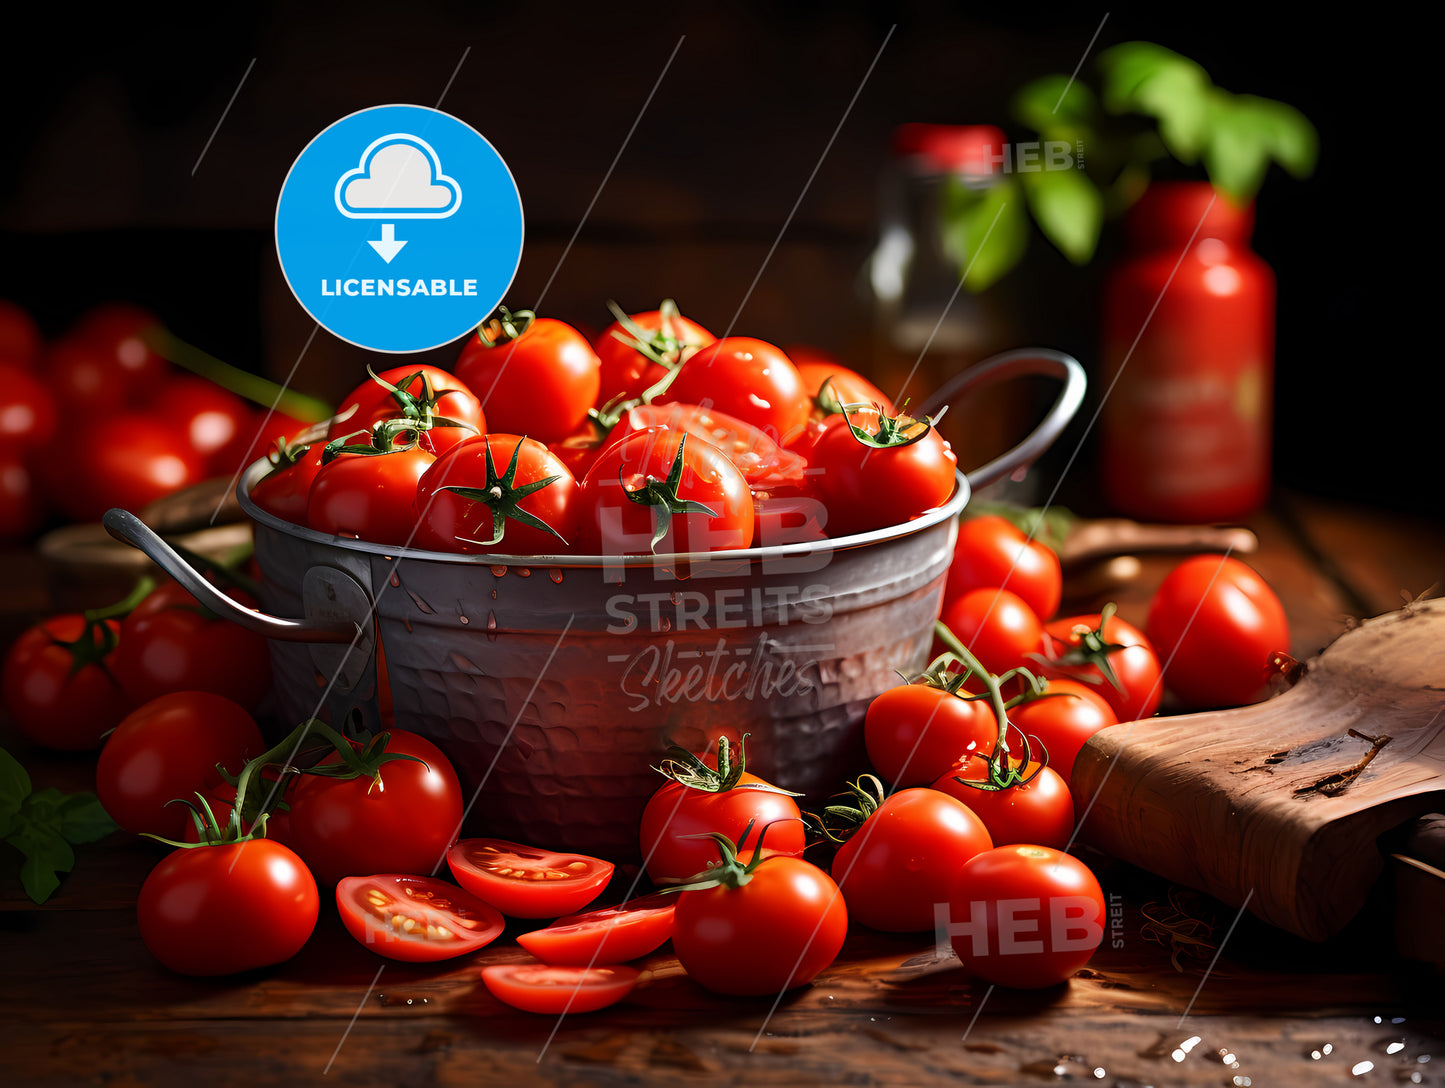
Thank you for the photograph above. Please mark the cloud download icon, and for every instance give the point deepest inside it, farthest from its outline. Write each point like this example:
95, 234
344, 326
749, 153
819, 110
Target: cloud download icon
386, 164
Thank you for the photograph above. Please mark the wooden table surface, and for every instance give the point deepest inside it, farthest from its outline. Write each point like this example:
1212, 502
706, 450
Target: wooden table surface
83, 1002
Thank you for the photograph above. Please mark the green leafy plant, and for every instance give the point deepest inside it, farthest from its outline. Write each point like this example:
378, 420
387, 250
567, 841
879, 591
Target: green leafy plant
1152, 104
44, 825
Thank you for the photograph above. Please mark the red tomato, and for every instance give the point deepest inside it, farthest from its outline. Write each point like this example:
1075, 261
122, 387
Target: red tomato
777, 931
210, 417
20, 339
678, 819
535, 987
216, 910
168, 749
1063, 720
1136, 665
865, 487
27, 409
51, 701
749, 379
844, 387
286, 492
127, 460
525, 881
627, 495
1039, 811
765, 465
1026, 916
85, 382
1215, 623
450, 399
606, 935
368, 496
540, 384
22, 508
625, 371
416, 919
169, 643
915, 732
502, 500
122, 333
993, 552
400, 822
905, 858
997, 626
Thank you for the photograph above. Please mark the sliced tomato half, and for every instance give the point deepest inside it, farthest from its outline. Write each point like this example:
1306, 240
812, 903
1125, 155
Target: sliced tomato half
415, 918
536, 987
765, 464
526, 882
606, 935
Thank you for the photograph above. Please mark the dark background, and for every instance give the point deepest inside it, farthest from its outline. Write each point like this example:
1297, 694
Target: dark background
107, 117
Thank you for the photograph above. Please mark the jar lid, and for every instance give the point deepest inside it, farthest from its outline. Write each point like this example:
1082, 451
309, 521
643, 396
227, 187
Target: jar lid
1173, 210
975, 150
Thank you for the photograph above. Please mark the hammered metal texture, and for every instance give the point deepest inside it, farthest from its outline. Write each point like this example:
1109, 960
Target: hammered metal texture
553, 692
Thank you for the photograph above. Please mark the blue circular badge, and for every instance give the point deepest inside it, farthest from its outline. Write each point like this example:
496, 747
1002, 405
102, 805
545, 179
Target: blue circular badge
399, 228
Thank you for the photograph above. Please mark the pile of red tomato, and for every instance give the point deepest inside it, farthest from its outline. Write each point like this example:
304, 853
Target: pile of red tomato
97, 419
655, 438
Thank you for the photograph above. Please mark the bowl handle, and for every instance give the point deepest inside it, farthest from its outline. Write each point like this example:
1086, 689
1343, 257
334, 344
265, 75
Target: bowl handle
129, 529
1022, 362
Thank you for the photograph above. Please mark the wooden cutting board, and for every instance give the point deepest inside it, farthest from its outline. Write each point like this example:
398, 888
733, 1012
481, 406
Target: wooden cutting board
1282, 803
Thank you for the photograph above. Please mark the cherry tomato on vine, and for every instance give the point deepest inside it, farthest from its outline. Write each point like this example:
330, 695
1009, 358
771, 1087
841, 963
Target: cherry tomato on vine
625, 371
776, 931
127, 459
424, 394
1025, 916
997, 626
123, 333
534, 376
169, 749
902, 470
663, 491
59, 696
1216, 622
1041, 810
217, 910
1067, 716
607, 935
993, 552
536, 987
915, 732
525, 881
716, 795
369, 496
746, 378
399, 819
497, 493
1136, 666
170, 642
415, 919
905, 857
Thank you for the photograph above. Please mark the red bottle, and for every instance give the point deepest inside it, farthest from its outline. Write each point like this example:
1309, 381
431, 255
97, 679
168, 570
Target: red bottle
1186, 428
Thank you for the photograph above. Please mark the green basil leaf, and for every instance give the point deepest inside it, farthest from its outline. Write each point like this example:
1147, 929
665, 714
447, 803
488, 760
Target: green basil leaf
14, 784
46, 853
985, 230
1292, 141
1159, 83
1068, 209
84, 819
1238, 152
1052, 102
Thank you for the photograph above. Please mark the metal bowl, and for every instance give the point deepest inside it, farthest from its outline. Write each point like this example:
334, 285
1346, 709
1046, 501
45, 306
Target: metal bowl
554, 683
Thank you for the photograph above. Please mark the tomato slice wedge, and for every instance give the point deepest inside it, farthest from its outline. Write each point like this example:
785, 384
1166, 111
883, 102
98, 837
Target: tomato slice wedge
606, 935
527, 882
536, 987
415, 918
765, 464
